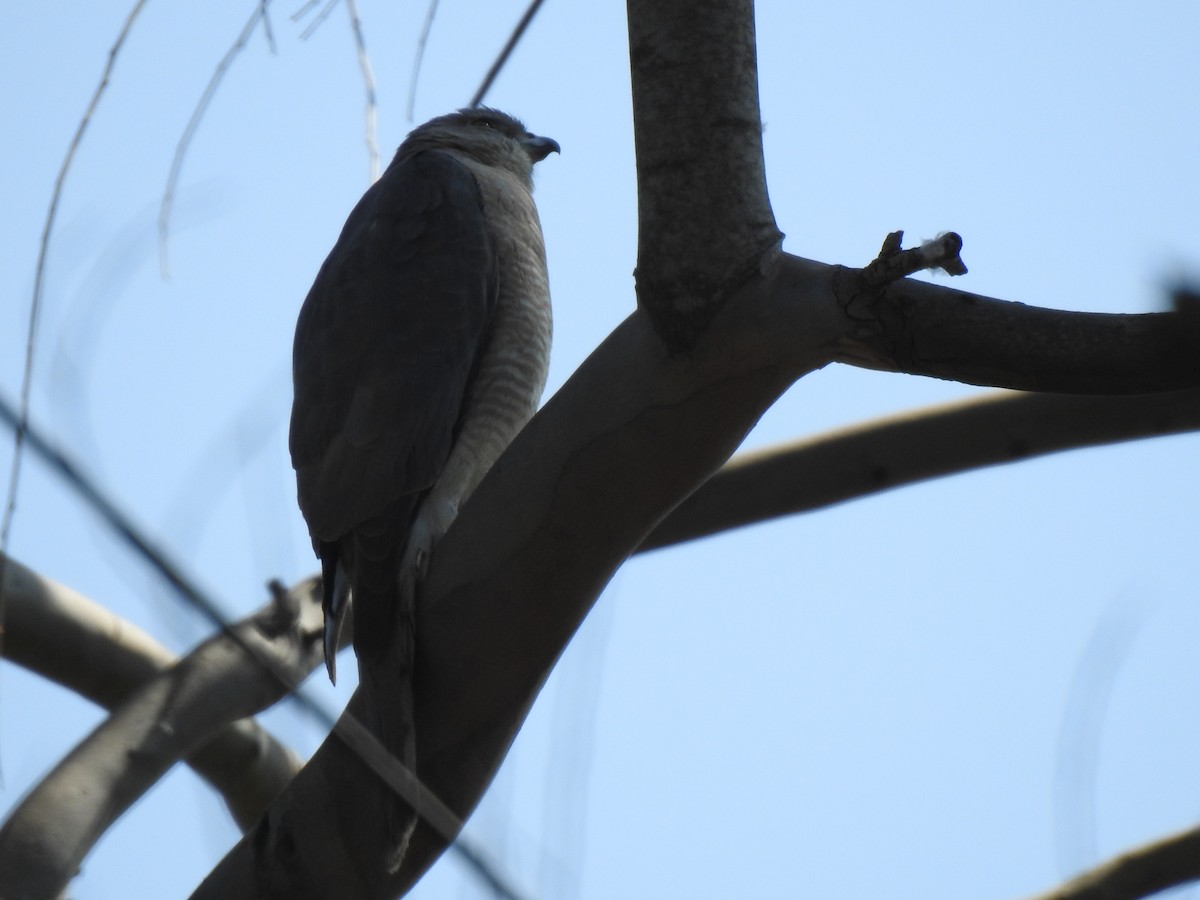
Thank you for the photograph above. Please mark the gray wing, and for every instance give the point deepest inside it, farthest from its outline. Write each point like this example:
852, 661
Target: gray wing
387, 341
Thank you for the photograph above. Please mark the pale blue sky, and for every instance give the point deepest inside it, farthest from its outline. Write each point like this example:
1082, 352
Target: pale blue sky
869, 701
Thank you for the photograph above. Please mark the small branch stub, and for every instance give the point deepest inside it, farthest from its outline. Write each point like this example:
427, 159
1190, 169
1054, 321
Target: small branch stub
893, 263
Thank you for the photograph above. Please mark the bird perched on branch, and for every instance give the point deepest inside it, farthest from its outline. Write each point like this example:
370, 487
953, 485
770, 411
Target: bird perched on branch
420, 352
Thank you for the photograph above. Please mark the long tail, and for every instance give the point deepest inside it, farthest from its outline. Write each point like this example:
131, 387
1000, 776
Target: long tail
385, 643
387, 690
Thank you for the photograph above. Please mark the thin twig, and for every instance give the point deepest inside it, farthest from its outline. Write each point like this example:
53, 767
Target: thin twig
513, 39
422, 41
364, 63
189, 132
268, 31
123, 525
316, 23
303, 10
21, 423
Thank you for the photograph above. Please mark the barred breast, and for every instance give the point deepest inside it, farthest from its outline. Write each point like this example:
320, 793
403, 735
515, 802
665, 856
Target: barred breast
511, 374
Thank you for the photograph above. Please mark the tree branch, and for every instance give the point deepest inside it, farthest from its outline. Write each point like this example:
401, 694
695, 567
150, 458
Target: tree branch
914, 446
1164, 864
75, 642
167, 203
370, 114
48, 835
704, 220
633, 431
505, 53
927, 329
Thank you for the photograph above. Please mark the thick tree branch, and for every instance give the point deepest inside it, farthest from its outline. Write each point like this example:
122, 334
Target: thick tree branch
61, 635
1168, 863
904, 449
928, 329
229, 677
704, 220
633, 431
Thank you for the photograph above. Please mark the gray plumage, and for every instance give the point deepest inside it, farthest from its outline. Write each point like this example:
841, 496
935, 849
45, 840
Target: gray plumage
420, 352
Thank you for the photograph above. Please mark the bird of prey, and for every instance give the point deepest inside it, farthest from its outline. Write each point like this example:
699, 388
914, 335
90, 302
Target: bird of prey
420, 352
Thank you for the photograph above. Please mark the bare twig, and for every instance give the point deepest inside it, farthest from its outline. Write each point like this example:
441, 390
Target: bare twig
268, 31
422, 41
124, 526
21, 424
364, 63
189, 131
303, 10
315, 23
118, 521
513, 39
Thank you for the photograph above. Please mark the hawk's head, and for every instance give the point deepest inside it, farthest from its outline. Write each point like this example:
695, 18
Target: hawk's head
487, 135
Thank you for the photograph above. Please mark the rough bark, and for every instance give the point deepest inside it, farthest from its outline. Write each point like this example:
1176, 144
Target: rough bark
704, 219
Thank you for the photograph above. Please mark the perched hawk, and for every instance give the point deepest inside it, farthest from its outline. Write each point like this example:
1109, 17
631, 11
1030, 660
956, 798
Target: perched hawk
420, 352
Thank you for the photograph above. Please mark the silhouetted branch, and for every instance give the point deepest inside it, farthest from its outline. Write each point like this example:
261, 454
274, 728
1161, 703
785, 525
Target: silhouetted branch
316, 22
1164, 864
930, 329
189, 131
364, 65
513, 39
705, 223
422, 42
268, 31
914, 446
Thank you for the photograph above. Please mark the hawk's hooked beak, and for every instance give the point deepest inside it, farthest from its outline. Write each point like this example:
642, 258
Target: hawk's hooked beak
539, 147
